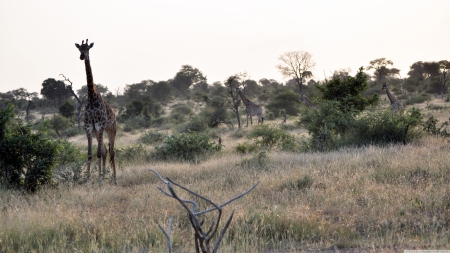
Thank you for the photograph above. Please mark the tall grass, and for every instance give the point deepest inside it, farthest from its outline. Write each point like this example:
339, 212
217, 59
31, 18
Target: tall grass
371, 198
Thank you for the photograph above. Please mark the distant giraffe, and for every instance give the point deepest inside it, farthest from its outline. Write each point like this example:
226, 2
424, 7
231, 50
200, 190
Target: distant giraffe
307, 102
396, 105
99, 116
251, 108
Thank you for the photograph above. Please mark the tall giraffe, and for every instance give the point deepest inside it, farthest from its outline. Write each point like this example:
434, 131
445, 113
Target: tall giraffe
99, 116
251, 108
307, 102
396, 105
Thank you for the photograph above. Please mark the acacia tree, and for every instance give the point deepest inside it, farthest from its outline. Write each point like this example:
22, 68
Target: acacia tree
381, 70
23, 94
296, 65
55, 90
186, 77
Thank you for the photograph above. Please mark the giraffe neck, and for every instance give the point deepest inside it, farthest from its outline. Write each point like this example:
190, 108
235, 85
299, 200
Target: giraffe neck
390, 96
308, 102
92, 89
244, 99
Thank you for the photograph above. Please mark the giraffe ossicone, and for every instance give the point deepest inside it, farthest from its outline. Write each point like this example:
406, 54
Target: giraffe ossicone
99, 117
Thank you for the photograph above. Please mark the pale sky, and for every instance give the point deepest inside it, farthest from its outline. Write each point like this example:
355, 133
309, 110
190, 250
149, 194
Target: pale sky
141, 40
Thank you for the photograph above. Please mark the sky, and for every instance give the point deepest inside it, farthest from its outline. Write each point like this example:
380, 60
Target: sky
151, 40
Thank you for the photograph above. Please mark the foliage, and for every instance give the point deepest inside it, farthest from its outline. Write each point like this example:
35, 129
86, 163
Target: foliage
55, 90
102, 89
131, 154
186, 77
287, 101
134, 123
152, 137
197, 123
348, 92
417, 99
380, 127
59, 123
430, 127
246, 147
192, 147
270, 136
27, 159
67, 109
381, 70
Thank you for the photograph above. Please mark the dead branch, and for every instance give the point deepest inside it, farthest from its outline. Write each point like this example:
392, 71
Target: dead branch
202, 238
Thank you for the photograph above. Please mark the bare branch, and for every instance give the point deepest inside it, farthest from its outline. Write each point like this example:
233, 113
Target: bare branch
167, 233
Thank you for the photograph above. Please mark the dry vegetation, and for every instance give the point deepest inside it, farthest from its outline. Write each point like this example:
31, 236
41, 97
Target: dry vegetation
372, 199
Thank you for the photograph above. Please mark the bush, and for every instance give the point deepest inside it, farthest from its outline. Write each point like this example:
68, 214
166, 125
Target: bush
152, 137
245, 147
187, 147
135, 123
67, 110
27, 158
196, 124
131, 154
418, 99
380, 127
270, 136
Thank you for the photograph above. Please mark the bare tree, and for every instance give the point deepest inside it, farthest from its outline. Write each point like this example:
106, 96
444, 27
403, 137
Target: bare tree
297, 65
79, 102
203, 238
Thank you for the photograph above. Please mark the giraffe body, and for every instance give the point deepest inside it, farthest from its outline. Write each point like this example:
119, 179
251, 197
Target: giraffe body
99, 117
396, 105
251, 109
307, 102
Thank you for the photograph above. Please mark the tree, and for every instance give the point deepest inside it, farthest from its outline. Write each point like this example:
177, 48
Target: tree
186, 77
233, 100
444, 67
381, 70
286, 100
67, 110
79, 101
161, 91
55, 91
59, 123
27, 159
348, 92
23, 94
84, 91
297, 65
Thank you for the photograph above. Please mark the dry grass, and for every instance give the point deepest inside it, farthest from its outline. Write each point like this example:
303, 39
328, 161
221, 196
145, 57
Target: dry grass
372, 199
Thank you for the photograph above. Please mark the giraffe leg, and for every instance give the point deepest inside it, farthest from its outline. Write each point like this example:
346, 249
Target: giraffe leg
89, 137
100, 148
111, 137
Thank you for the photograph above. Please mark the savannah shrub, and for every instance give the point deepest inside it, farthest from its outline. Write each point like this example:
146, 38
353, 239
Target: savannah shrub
191, 146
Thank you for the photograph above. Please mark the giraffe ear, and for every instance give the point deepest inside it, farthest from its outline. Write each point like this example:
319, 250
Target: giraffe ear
77, 45
91, 45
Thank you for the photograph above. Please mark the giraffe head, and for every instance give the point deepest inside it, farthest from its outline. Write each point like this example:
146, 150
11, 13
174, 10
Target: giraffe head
385, 86
301, 99
84, 49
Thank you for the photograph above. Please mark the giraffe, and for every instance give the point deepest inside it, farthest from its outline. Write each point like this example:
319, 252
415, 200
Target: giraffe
251, 108
307, 102
99, 116
396, 105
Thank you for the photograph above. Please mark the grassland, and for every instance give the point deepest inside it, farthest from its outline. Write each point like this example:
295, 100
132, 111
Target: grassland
371, 199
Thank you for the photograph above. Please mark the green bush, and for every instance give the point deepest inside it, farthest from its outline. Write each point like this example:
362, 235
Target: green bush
191, 146
245, 147
380, 127
418, 99
270, 136
131, 154
27, 159
196, 124
430, 127
135, 123
152, 137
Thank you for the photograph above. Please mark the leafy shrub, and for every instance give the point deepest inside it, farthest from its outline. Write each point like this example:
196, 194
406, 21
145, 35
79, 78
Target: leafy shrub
258, 161
131, 154
27, 159
196, 124
270, 116
134, 123
67, 110
240, 133
418, 99
436, 107
190, 146
151, 137
380, 127
430, 127
245, 147
270, 136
